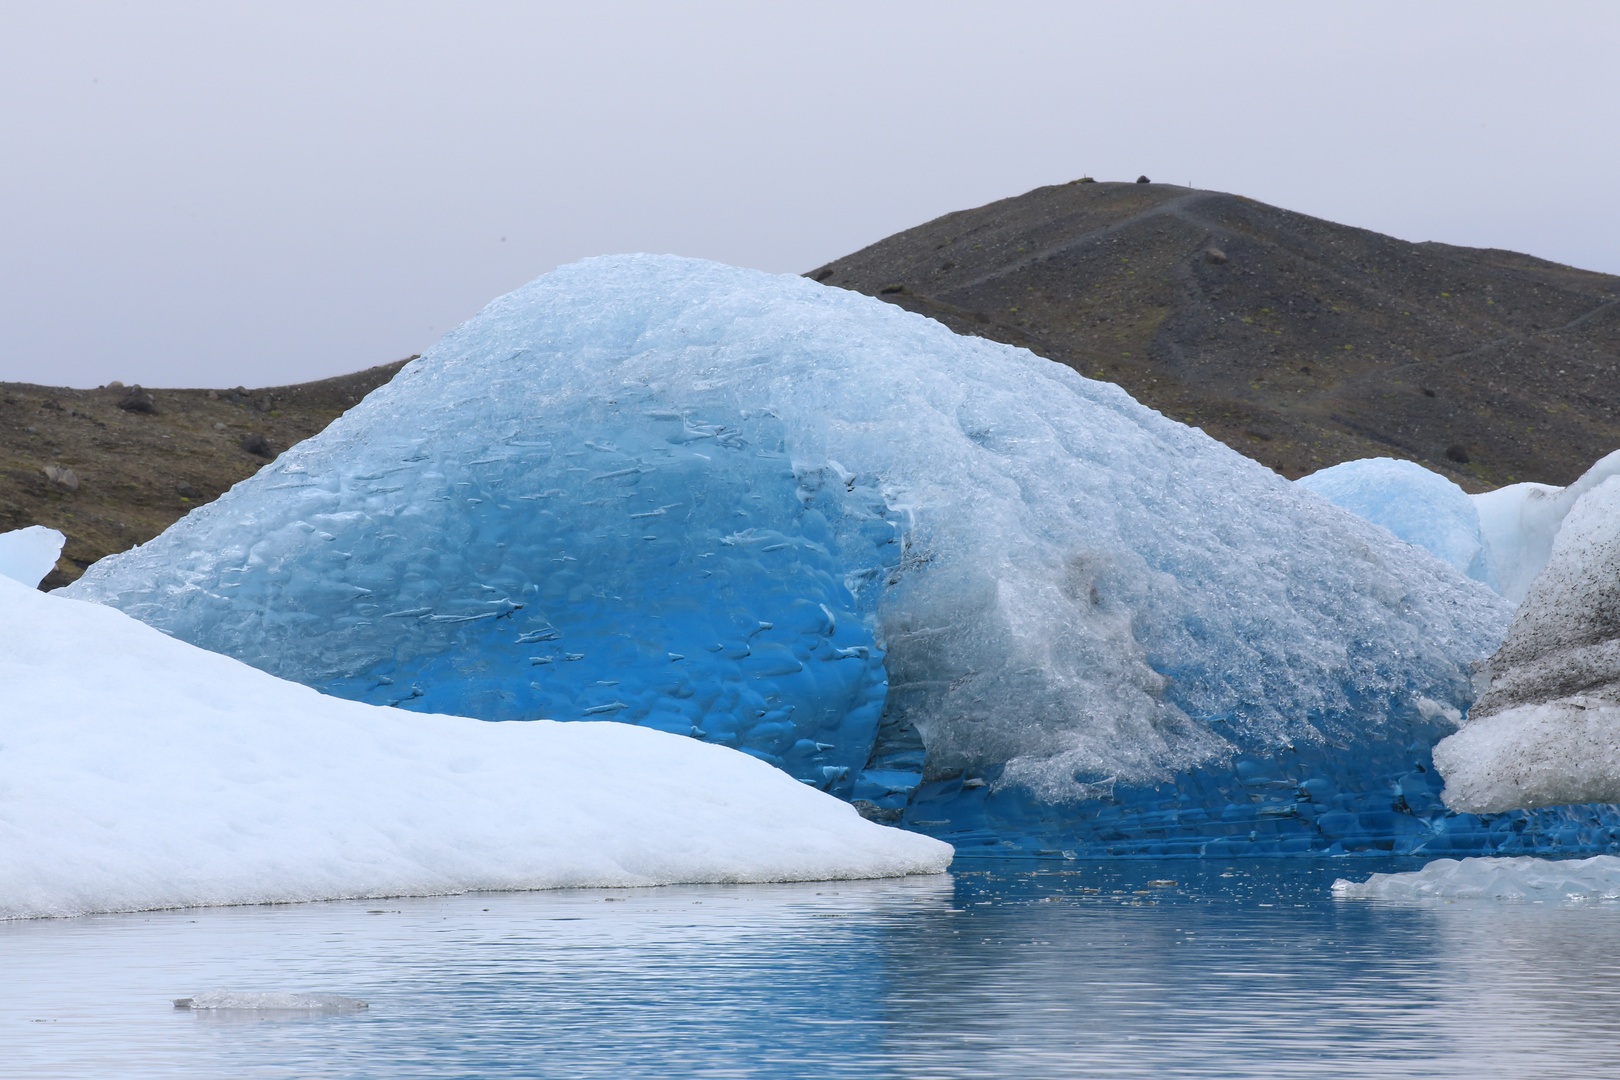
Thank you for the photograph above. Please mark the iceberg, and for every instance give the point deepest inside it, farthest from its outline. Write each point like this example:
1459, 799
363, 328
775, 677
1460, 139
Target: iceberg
1417, 505
1520, 521
1522, 878
957, 584
27, 555
142, 772
1547, 730
1502, 537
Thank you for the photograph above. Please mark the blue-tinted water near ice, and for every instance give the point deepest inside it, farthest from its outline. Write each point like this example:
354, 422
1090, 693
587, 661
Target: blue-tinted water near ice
1302, 799
951, 581
1152, 969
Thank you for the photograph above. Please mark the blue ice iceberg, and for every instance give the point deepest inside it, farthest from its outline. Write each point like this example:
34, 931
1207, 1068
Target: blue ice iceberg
1503, 537
956, 583
1417, 505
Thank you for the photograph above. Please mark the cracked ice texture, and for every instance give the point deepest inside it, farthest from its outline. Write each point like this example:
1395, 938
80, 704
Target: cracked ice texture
752, 508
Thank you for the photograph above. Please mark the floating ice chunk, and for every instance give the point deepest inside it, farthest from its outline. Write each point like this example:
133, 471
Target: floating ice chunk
1522, 878
310, 1003
1547, 730
771, 514
1519, 522
27, 555
1417, 505
142, 772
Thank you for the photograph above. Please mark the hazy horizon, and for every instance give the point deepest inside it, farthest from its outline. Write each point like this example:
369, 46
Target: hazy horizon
207, 196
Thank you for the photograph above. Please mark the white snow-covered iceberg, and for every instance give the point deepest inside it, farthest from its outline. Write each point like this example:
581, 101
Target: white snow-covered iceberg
1522, 878
1519, 523
27, 555
1547, 730
954, 582
138, 772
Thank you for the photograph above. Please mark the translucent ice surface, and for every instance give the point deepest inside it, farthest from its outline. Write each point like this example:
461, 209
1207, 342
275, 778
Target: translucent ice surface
1417, 505
27, 555
954, 582
1597, 878
1520, 521
141, 772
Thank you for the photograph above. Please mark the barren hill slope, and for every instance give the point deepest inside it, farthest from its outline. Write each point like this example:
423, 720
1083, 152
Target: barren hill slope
1296, 341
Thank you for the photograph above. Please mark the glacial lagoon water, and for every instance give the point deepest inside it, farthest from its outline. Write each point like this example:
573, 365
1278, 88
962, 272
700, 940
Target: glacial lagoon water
1001, 968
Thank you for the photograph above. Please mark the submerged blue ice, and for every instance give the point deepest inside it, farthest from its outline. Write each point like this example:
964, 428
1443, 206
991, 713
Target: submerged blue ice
958, 584
1417, 505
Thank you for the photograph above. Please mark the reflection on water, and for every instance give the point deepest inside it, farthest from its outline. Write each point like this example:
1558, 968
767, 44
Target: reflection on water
1001, 969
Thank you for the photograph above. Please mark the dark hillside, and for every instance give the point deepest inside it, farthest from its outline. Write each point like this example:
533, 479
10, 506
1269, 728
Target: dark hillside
1296, 341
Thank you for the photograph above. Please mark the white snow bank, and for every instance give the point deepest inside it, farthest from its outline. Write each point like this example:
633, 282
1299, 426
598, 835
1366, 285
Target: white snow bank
27, 555
1519, 522
139, 772
1502, 879
1547, 731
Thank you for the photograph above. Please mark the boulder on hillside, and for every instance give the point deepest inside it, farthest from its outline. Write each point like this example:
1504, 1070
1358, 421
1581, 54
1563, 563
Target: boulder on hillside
137, 400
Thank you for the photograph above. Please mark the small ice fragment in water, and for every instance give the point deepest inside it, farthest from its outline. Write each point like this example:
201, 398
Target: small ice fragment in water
226, 999
1521, 878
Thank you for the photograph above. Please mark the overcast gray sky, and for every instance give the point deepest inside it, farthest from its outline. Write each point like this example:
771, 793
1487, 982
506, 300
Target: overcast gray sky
207, 194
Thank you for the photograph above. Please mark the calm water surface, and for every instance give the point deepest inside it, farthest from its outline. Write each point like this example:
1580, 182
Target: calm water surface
999, 969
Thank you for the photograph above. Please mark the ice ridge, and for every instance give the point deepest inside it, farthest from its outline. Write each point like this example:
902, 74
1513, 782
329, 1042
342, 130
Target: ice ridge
1522, 878
1503, 537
